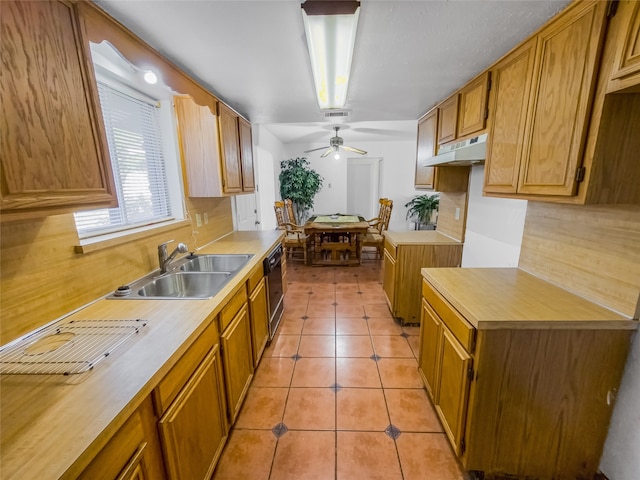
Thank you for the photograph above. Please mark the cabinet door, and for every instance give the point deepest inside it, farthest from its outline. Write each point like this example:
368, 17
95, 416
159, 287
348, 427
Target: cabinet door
246, 153
564, 84
626, 68
230, 150
453, 393
132, 453
259, 310
135, 469
194, 428
199, 148
473, 106
389, 280
238, 361
430, 344
447, 119
510, 96
53, 155
427, 134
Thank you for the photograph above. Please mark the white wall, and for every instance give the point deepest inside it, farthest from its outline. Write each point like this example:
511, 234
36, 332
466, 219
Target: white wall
397, 175
494, 227
268, 153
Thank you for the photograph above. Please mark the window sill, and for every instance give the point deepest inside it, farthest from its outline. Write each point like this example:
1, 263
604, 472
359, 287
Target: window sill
114, 239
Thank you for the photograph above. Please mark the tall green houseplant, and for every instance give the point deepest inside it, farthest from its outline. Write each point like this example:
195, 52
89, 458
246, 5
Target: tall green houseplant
299, 183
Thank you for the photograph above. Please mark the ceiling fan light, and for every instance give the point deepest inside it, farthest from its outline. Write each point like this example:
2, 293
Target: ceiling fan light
330, 40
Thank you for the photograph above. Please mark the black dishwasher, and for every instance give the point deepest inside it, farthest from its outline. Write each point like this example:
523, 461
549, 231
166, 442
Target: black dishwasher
273, 272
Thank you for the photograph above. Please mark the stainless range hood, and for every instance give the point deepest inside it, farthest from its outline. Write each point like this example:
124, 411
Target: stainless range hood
471, 151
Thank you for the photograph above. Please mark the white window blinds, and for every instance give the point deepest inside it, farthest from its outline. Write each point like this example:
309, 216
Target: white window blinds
135, 146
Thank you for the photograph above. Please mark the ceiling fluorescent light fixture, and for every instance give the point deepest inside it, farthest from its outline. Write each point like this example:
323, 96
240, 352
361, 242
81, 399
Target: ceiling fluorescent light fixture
330, 28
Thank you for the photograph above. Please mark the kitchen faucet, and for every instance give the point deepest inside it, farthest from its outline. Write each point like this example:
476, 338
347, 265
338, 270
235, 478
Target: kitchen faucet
165, 259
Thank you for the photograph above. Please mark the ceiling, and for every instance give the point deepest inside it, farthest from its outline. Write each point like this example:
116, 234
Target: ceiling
408, 56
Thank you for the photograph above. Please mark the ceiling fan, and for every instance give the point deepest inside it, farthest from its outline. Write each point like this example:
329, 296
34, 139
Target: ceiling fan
335, 143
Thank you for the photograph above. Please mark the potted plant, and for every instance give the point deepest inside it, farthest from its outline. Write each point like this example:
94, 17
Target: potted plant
299, 183
421, 208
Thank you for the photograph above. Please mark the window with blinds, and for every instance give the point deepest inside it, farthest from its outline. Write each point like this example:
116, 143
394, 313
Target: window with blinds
136, 149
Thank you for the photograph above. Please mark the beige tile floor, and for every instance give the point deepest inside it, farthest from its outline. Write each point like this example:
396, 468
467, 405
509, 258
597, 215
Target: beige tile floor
337, 394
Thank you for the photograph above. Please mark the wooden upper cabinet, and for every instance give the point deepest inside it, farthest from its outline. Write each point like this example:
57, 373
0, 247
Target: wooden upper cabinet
626, 69
427, 133
473, 112
246, 154
53, 154
511, 89
198, 140
448, 119
230, 150
566, 65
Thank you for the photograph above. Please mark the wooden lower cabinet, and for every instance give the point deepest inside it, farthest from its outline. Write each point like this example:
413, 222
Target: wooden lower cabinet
259, 312
405, 254
238, 360
133, 453
389, 278
520, 401
194, 427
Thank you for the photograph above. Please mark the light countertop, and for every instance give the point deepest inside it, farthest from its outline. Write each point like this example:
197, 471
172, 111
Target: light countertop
52, 425
419, 237
492, 298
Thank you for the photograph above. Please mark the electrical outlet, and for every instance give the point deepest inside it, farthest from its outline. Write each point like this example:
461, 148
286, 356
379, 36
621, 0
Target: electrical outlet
198, 220
206, 217
457, 213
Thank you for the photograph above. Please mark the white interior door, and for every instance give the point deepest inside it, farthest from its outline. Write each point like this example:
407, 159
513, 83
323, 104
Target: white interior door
246, 214
363, 186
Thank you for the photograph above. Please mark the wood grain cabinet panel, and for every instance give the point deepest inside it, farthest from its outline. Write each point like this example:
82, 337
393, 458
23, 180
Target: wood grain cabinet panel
259, 312
453, 390
626, 70
133, 453
430, 344
426, 148
246, 154
567, 61
53, 154
194, 428
511, 90
230, 150
238, 361
389, 278
445, 367
448, 119
199, 148
473, 105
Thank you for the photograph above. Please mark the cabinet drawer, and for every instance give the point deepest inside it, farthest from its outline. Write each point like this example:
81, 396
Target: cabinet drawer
233, 307
172, 383
255, 277
461, 329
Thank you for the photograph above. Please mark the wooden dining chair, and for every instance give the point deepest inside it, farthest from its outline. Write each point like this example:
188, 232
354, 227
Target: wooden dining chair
291, 214
374, 222
295, 237
374, 236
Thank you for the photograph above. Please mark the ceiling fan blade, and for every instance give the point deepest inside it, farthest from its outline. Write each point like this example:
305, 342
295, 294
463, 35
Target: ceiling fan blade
354, 150
315, 149
327, 152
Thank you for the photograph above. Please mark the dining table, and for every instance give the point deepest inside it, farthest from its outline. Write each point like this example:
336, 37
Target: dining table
334, 239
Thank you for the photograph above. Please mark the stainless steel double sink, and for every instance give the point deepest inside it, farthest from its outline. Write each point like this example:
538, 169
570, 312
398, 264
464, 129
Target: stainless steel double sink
192, 277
